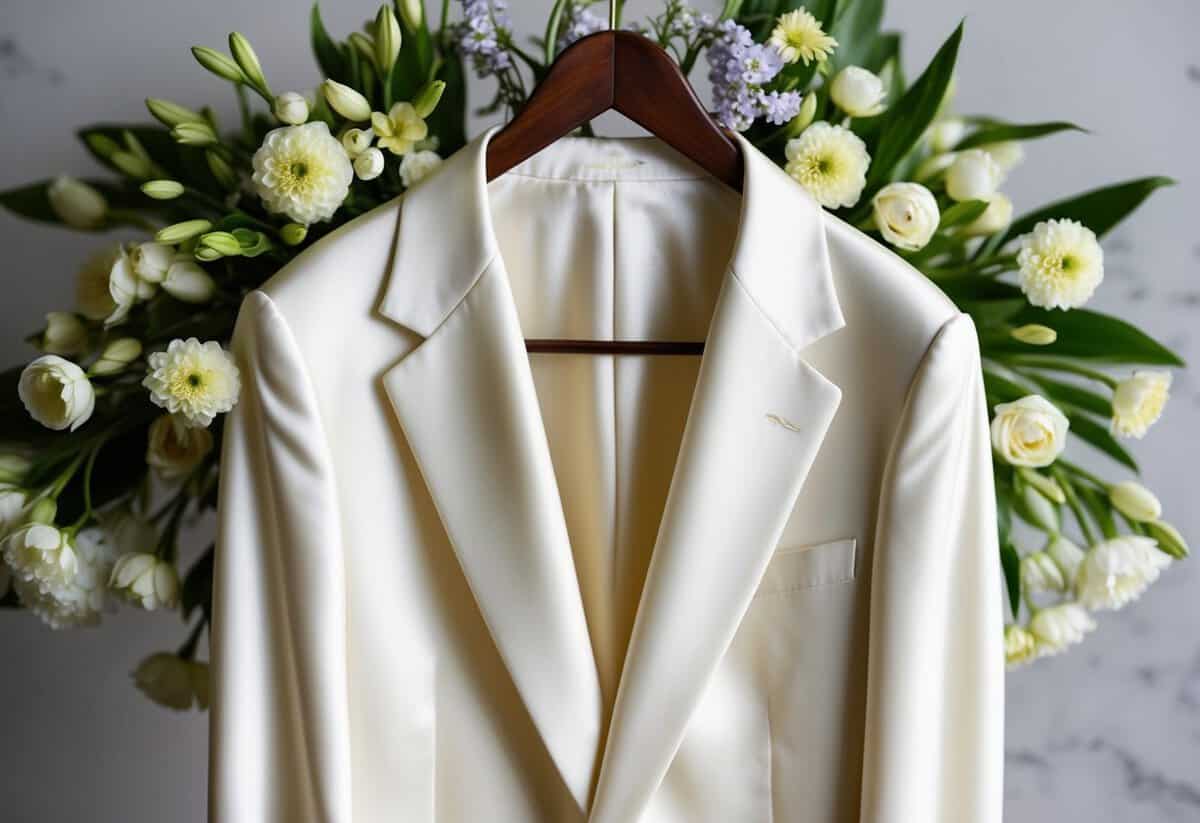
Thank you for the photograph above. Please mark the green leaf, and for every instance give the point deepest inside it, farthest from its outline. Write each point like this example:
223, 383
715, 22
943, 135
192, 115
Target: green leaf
1088, 335
449, 119
1010, 561
1100, 209
856, 25
196, 592
1091, 432
32, 203
1001, 388
329, 54
1005, 132
961, 213
1071, 395
906, 119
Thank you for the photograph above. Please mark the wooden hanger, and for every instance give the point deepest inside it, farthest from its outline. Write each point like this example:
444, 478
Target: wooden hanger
628, 73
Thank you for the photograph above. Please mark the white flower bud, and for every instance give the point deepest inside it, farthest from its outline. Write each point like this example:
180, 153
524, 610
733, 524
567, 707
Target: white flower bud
1020, 646
56, 393
1169, 539
188, 282
117, 355
428, 98
12, 510
387, 38
1134, 501
973, 175
219, 64
934, 165
1046, 486
1035, 334
150, 261
1007, 154
172, 114
858, 92
247, 60
1039, 573
162, 189
195, 134
995, 218
175, 448
907, 215
346, 101
223, 242
944, 135
293, 234
146, 581
369, 164
13, 468
76, 203
126, 288
1038, 510
291, 108
413, 12
176, 233
1067, 555
356, 141
65, 334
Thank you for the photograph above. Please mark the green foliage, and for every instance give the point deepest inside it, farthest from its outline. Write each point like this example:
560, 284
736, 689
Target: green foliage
1100, 210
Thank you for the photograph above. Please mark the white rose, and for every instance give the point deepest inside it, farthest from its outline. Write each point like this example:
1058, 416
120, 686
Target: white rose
995, 218
973, 175
174, 448
418, 165
1138, 402
1117, 571
65, 334
1058, 627
146, 581
1135, 501
369, 164
858, 92
76, 203
944, 135
291, 108
1029, 432
56, 393
907, 215
171, 681
187, 281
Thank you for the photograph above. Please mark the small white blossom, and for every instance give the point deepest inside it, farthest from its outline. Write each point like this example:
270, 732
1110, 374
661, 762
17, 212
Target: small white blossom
187, 281
59, 581
1039, 573
146, 581
126, 287
150, 261
1029, 432
1059, 627
356, 141
830, 162
973, 175
995, 218
290, 108
195, 380
56, 393
303, 172
1135, 501
1061, 264
858, 92
944, 135
369, 164
1117, 571
1067, 556
907, 215
418, 165
799, 36
1138, 402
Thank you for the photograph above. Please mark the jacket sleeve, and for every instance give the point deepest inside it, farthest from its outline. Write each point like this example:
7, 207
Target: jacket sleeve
935, 686
279, 737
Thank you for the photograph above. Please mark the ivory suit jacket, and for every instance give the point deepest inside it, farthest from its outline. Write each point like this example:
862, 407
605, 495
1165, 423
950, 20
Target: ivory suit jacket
457, 582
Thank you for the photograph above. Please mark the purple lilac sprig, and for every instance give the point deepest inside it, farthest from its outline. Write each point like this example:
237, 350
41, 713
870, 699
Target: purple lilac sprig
740, 69
579, 23
484, 34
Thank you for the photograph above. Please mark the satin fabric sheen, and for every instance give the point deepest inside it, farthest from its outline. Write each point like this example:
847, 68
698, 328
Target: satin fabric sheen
457, 582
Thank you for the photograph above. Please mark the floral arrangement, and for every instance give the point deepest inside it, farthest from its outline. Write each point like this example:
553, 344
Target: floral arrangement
109, 441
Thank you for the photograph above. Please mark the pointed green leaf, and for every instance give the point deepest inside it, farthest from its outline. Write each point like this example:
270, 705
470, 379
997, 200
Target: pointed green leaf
1091, 432
1071, 395
1088, 335
1100, 209
329, 55
1006, 132
961, 213
1010, 561
856, 25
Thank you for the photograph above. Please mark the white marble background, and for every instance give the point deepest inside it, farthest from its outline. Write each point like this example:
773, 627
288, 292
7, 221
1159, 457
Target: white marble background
1108, 733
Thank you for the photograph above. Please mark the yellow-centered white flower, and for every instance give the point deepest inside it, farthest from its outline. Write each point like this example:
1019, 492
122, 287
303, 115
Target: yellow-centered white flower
1138, 402
418, 165
907, 215
1030, 431
1060, 264
194, 380
1117, 571
56, 393
858, 92
1059, 627
400, 129
830, 162
303, 172
973, 175
798, 36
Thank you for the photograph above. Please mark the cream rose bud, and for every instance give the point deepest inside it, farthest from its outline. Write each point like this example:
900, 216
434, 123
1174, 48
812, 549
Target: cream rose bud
356, 141
65, 334
1135, 501
347, 102
151, 260
1059, 627
858, 92
1020, 646
188, 282
290, 108
117, 355
56, 393
1029, 432
146, 581
1117, 571
369, 164
944, 135
175, 448
171, 681
907, 215
1138, 402
995, 218
418, 165
76, 203
973, 175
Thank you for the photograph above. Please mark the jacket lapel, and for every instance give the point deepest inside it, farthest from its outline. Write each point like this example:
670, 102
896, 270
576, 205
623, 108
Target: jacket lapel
466, 401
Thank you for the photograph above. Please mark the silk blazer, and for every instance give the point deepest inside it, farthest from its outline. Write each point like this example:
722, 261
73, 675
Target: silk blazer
458, 582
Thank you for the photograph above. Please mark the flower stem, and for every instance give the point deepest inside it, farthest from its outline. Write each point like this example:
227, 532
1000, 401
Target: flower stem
1040, 361
1074, 504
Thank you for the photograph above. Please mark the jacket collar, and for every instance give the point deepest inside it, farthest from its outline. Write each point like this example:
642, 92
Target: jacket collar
466, 401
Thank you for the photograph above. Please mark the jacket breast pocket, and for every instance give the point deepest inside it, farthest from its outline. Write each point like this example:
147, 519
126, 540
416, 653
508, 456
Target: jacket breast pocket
806, 617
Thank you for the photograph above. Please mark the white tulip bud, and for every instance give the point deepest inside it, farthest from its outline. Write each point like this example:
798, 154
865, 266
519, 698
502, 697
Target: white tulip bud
175, 448
356, 141
944, 135
188, 282
934, 165
291, 108
428, 98
973, 175
65, 334
219, 64
117, 355
995, 218
1007, 154
247, 60
76, 203
1039, 573
1067, 555
1035, 334
1046, 486
858, 92
1038, 510
131, 164
162, 189
907, 215
1134, 501
56, 393
172, 114
413, 12
176, 233
194, 134
146, 581
369, 164
1168, 538
387, 38
346, 101
363, 45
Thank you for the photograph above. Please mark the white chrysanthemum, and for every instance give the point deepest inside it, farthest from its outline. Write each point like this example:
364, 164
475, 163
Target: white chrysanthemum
1139, 401
303, 172
799, 36
1058, 627
63, 583
1020, 646
194, 380
1117, 571
830, 162
1061, 264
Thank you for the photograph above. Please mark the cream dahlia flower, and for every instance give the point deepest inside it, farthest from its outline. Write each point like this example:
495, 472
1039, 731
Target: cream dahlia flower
1020, 646
1029, 432
1061, 264
830, 162
1058, 627
56, 393
400, 129
303, 172
1117, 571
194, 380
1138, 402
799, 36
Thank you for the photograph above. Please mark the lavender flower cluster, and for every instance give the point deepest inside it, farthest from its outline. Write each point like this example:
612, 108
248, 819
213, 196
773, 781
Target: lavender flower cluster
482, 35
581, 21
739, 69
